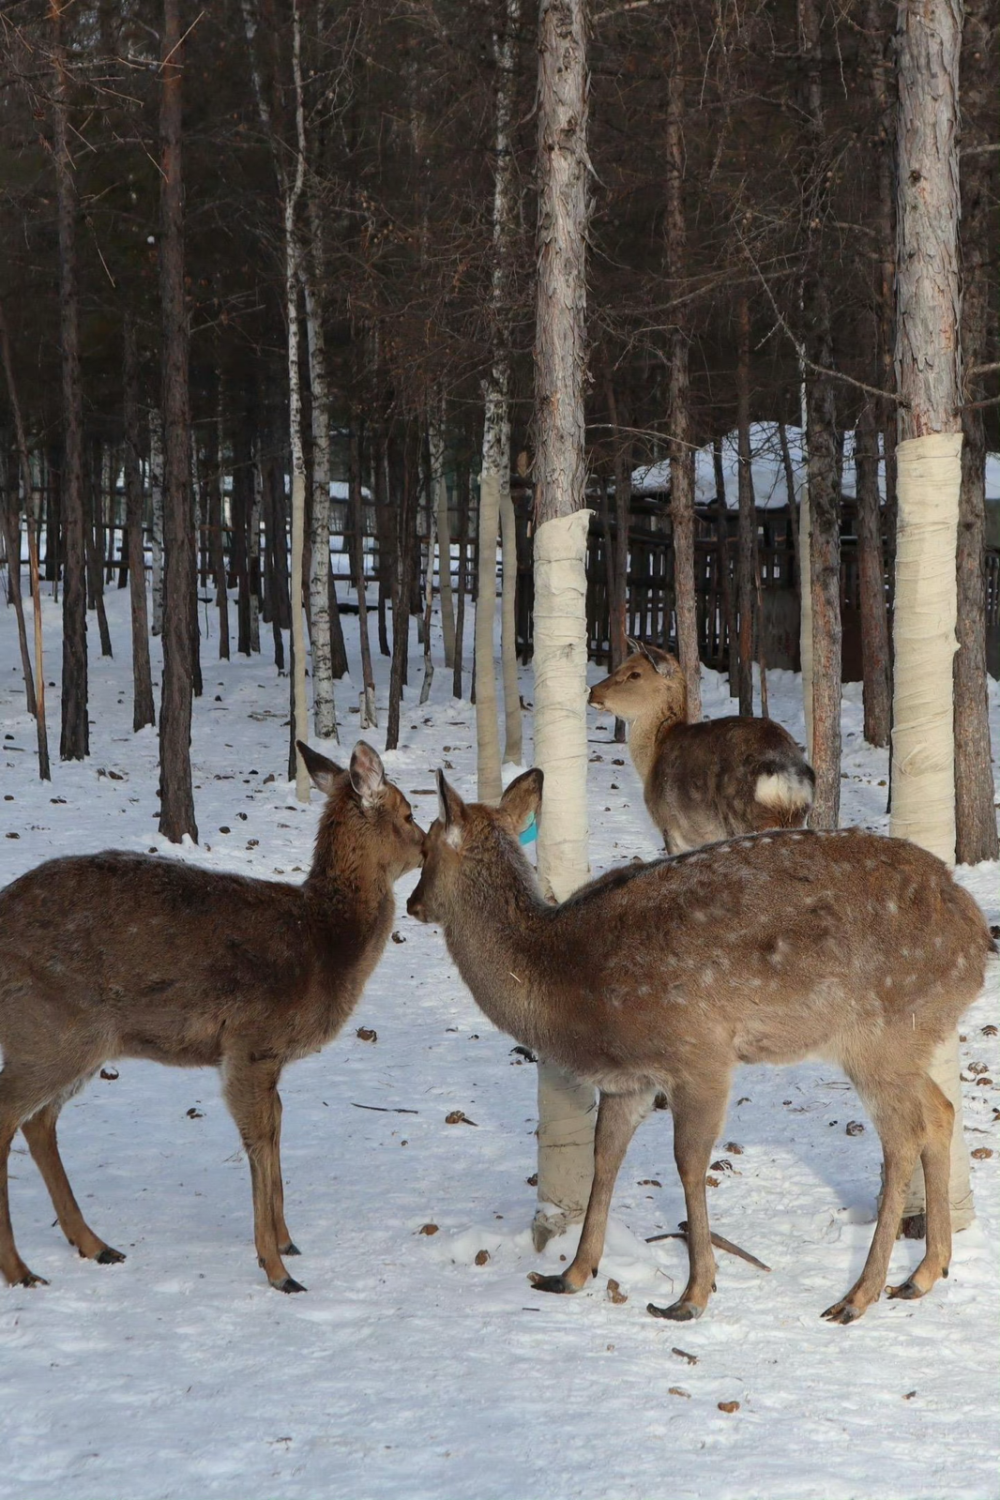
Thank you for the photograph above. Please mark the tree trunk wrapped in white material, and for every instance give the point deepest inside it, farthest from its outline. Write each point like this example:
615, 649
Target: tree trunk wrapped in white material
929, 476
566, 1108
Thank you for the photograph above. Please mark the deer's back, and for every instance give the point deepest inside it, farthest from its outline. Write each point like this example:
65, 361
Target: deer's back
769, 948
165, 960
704, 778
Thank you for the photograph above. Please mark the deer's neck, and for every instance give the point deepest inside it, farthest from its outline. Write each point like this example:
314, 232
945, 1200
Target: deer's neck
646, 733
352, 904
497, 936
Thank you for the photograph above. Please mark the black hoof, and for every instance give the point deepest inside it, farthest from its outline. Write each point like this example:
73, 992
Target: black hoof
843, 1313
289, 1249
109, 1257
677, 1312
288, 1285
550, 1283
907, 1290
30, 1279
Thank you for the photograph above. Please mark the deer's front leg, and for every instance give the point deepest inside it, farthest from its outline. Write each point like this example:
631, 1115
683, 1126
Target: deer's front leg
251, 1092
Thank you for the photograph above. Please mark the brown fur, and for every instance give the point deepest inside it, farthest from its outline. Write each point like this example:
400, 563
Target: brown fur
708, 781
858, 949
126, 955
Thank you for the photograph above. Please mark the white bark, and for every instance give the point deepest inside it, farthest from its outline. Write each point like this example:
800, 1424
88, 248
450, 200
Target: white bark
565, 1147
156, 535
301, 709
489, 784
324, 708
439, 498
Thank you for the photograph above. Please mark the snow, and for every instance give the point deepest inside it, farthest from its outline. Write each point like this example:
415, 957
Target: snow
409, 1370
768, 470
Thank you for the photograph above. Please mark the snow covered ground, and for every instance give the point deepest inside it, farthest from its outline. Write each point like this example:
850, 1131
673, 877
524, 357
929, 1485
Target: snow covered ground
416, 1366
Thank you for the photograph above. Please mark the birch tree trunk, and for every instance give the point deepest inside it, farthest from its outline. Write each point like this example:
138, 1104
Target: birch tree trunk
439, 493
180, 576
368, 719
681, 447
566, 1106
292, 196
929, 475
74, 739
824, 490
324, 707
513, 748
10, 515
495, 471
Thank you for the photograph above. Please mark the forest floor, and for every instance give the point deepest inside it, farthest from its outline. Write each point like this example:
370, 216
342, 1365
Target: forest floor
410, 1369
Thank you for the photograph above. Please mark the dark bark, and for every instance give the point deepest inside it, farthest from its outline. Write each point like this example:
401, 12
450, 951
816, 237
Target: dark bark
386, 536
406, 527
975, 814
681, 447
95, 565
871, 582
143, 711
35, 699
179, 563
74, 739
240, 503
726, 581
746, 556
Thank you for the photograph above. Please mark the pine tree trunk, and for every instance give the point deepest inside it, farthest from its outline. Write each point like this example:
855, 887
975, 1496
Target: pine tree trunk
566, 1107
929, 475
156, 500
10, 516
871, 582
143, 710
179, 572
681, 447
74, 739
746, 556
821, 441
975, 814
406, 526
36, 696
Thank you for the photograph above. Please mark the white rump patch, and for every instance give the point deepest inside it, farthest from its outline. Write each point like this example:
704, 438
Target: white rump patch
784, 789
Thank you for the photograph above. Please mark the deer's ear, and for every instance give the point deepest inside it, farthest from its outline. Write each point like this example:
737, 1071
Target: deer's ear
661, 661
522, 801
451, 810
367, 772
322, 772
634, 646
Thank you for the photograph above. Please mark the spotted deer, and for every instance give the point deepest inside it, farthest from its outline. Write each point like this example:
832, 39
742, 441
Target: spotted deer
708, 781
197, 969
850, 947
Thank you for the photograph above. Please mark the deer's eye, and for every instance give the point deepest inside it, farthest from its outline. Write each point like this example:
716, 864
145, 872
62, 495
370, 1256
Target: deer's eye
634, 676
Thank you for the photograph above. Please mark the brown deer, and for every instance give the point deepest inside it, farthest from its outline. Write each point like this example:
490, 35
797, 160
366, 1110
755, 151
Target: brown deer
858, 949
708, 781
201, 969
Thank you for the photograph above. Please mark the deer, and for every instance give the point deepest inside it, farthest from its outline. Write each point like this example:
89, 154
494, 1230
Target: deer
703, 782
202, 969
663, 977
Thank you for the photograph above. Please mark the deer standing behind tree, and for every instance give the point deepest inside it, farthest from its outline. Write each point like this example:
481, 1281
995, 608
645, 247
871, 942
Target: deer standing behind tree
844, 945
211, 970
707, 781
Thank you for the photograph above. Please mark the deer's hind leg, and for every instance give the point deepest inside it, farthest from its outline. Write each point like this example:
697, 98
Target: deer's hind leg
699, 1111
935, 1159
897, 1105
25, 1090
40, 1134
